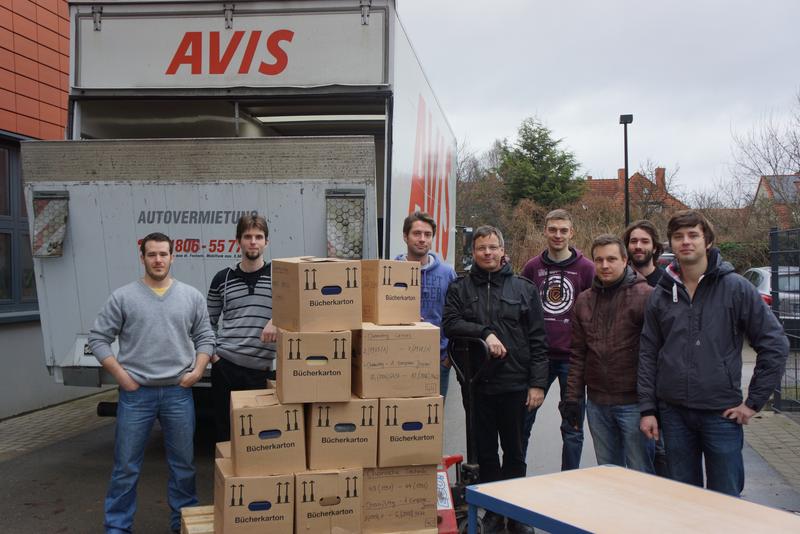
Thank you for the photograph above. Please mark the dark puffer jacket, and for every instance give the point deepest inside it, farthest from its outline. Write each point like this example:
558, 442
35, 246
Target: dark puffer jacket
607, 324
483, 303
691, 349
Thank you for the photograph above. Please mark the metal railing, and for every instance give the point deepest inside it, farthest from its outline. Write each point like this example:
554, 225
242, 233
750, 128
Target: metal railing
784, 253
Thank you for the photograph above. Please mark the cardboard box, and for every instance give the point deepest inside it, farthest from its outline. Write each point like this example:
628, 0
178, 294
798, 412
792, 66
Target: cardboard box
222, 449
399, 499
410, 431
316, 294
396, 361
391, 292
267, 438
314, 366
342, 434
252, 504
329, 501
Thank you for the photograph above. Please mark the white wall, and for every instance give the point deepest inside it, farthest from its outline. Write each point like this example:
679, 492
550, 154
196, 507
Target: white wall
25, 384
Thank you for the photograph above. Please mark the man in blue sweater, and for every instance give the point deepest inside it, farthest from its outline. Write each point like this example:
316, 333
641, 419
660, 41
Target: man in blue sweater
418, 231
165, 340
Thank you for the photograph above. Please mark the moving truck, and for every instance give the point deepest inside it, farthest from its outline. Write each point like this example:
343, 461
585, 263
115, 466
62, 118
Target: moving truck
184, 115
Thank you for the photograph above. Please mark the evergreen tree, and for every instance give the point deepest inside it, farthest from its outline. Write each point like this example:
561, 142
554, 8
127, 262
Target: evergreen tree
537, 168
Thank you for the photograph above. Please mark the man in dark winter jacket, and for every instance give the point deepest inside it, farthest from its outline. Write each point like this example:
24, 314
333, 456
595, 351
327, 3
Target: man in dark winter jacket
505, 311
418, 231
607, 323
690, 361
560, 272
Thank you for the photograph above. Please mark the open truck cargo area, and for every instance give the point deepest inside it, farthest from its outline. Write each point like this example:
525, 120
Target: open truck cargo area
183, 115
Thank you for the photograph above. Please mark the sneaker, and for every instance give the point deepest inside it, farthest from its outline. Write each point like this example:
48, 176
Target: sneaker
515, 527
493, 523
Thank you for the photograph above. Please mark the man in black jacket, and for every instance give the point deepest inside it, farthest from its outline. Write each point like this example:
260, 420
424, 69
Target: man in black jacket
690, 359
505, 311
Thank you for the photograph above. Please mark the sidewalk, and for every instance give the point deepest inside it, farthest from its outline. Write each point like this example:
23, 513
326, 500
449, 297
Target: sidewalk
34, 430
776, 438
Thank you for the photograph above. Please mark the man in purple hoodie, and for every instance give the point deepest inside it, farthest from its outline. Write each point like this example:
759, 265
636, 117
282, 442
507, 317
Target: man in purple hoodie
561, 273
418, 231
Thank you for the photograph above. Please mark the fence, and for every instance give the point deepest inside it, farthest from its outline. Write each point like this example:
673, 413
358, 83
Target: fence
784, 253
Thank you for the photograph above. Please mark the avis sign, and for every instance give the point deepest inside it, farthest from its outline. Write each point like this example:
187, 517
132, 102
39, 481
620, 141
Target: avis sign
261, 50
430, 177
218, 57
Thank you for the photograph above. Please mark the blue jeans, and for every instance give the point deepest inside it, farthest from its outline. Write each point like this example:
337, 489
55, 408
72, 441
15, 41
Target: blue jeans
173, 406
572, 439
444, 379
617, 438
692, 437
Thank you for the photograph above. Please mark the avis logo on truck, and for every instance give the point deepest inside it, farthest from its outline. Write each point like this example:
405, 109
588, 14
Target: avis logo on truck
190, 52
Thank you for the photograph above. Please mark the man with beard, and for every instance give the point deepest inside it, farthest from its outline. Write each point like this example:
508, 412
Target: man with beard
690, 359
560, 272
644, 249
418, 231
242, 297
164, 344
504, 310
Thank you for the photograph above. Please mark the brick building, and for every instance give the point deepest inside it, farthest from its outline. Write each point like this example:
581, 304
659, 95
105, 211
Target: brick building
646, 197
34, 83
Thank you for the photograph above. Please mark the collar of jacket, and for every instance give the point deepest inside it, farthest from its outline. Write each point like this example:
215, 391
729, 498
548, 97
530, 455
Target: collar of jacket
717, 267
479, 276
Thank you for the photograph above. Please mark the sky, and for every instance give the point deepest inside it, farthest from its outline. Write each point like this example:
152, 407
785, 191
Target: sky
690, 72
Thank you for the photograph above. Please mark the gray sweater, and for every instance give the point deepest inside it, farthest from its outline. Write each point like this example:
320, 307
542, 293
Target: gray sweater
159, 337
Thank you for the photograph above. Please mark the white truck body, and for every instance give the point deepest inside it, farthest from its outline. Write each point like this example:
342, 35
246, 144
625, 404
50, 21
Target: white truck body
185, 114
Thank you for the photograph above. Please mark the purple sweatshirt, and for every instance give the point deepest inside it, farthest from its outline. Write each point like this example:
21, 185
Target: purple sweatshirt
559, 285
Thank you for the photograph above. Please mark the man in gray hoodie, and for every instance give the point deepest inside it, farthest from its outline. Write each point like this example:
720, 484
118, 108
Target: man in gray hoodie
165, 340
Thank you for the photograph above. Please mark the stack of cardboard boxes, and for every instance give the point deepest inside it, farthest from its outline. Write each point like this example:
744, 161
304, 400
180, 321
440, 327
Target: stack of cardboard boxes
349, 438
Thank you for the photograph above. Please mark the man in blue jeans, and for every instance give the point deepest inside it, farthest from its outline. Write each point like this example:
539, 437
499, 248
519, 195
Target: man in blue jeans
165, 339
418, 231
560, 273
606, 325
690, 359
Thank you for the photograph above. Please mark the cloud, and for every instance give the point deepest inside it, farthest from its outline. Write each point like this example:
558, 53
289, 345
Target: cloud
690, 72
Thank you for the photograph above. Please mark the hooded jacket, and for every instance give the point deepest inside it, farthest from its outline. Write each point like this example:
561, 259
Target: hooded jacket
436, 277
606, 327
559, 285
691, 349
483, 303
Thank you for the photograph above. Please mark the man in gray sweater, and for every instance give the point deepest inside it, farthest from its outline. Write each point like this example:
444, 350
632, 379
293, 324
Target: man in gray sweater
165, 340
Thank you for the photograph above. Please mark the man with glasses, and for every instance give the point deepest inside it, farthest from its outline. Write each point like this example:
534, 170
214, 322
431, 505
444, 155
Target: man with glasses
504, 310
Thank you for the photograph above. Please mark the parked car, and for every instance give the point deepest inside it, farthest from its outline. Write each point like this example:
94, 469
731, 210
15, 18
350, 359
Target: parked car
788, 296
665, 259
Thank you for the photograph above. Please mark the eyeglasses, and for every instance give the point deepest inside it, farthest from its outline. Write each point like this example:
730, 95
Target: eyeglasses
484, 248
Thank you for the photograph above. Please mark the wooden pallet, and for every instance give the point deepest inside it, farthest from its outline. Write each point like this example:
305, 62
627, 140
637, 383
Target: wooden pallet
197, 520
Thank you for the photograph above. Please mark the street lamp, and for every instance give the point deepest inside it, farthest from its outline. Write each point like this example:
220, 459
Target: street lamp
625, 120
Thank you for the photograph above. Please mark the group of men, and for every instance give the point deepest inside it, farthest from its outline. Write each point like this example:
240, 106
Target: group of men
652, 349
168, 332
635, 348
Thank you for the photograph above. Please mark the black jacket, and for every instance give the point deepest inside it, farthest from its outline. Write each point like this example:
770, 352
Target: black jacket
691, 350
483, 303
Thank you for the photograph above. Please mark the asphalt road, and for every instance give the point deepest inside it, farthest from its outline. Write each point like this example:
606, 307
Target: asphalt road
60, 488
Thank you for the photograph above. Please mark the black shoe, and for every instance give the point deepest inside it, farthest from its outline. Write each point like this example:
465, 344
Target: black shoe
493, 523
515, 527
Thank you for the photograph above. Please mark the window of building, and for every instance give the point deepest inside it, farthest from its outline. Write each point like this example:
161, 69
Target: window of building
17, 280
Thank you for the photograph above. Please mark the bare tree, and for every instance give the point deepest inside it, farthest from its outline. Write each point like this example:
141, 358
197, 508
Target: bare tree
770, 148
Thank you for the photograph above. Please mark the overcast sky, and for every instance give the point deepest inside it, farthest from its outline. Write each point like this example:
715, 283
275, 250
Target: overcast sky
690, 72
